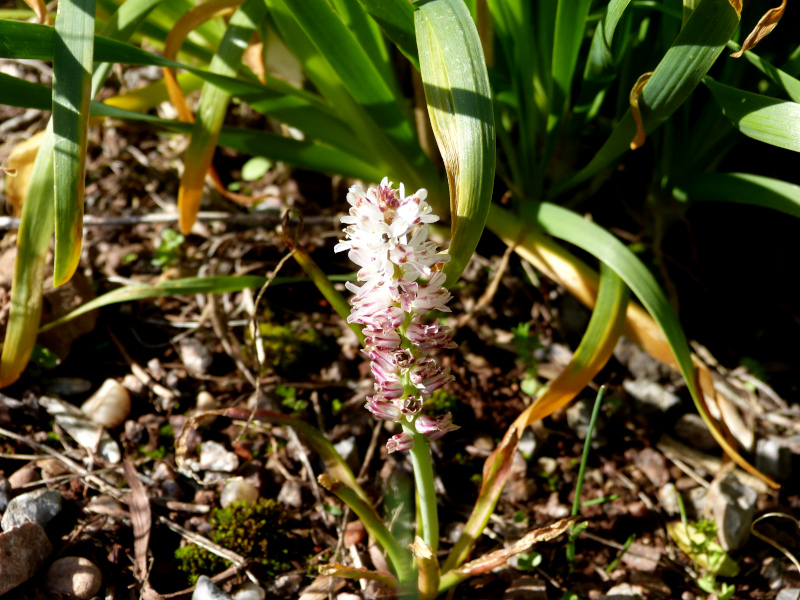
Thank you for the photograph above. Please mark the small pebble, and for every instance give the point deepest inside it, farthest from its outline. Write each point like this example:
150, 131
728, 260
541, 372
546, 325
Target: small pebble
651, 396
774, 458
22, 550
39, 506
21, 477
291, 494
349, 452
249, 591
206, 590
238, 490
788, 594
653, 464
196, 356
110, 405
214, 457
5, 493
579, 415
732, 504
354, 533
74, 576
693, 430
668, 498
528, 443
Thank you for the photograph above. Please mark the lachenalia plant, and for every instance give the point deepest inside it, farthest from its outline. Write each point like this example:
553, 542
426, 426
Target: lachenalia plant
401, 285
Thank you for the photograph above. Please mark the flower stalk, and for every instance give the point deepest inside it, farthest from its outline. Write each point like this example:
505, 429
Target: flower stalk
401, 284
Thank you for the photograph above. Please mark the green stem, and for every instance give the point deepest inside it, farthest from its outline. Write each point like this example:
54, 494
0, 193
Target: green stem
587, 445
426, 494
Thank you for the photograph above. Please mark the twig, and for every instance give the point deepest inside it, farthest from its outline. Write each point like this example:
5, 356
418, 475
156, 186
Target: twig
11, 223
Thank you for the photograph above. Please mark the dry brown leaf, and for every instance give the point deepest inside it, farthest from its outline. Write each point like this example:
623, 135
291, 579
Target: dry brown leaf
337, 570
254, 58
40, 8
638, 141
499, 558
322, 587
737, 6
141, 519
428, 566
762, 29
18, 171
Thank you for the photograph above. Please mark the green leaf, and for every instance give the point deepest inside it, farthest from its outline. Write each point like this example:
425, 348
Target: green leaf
786, 82
592, 354
396, 19
255, 168
691, 55
308, 155
33, 242
460, 107
188, 286
363, 82
769, 120
212, 108
72, 67
741, 188
279, 100
566, 225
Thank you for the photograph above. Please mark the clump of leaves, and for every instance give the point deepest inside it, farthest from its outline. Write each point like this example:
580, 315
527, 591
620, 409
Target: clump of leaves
292, 349
260, 531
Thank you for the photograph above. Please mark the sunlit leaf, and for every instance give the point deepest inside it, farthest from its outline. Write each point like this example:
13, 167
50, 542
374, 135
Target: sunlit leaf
72, 79
460, 107
769, 120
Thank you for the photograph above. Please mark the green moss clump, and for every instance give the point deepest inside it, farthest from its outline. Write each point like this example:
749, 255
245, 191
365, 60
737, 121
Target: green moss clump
259, 531
291, 350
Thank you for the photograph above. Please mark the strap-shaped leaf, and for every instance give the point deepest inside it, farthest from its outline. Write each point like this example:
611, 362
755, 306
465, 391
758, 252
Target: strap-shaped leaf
592, 354
277, 99
33, 242
684, 65
741, 188
307, 155
568, 226
460, 107
72, 69
212, 108
396, 19
769, 120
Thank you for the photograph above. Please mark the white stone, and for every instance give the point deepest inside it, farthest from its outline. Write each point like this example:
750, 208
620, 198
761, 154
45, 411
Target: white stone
195, 356
39, 506
652, 394
249, 591
110, 405
214, 457
74, 576
206, 590
238, 490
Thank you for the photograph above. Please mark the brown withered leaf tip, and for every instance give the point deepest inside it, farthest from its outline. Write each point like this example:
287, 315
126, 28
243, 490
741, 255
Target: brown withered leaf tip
762, 29
329, 483
498, 558
636, 91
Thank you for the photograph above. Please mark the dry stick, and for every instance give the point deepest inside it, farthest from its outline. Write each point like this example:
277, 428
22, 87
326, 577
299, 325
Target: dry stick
102, 485
12, 223
140, 373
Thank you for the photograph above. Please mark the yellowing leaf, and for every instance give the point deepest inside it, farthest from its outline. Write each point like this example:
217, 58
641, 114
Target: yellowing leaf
18, 170
706, 553
638, 141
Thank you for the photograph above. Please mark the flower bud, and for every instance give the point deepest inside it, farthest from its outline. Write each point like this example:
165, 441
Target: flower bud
435, 427
388, 411
400, 442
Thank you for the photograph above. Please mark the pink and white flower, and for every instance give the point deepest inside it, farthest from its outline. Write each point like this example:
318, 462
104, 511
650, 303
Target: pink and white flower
401, 282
